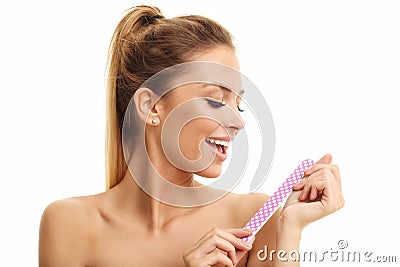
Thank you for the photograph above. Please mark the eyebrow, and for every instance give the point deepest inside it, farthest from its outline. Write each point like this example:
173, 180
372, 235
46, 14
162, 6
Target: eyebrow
241, 92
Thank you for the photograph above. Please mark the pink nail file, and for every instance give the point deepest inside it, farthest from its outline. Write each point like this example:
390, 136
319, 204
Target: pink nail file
268, 209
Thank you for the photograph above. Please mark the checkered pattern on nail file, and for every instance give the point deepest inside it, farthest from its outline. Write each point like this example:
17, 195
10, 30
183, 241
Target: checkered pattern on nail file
272, 204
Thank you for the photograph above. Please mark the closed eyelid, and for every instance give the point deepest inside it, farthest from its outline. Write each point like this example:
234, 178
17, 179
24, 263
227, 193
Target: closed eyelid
223, 89
218, 104
222, 94
218, 97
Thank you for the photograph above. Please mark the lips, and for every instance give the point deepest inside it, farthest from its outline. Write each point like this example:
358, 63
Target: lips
220, 146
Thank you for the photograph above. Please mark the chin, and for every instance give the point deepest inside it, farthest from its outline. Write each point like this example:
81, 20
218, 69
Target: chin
213, 171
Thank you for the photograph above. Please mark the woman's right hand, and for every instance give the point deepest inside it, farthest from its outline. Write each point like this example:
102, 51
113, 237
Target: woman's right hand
219, 247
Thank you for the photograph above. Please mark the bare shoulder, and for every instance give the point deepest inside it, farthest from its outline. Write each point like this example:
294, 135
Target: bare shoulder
70, 211
66, 227
255, 200
245, 205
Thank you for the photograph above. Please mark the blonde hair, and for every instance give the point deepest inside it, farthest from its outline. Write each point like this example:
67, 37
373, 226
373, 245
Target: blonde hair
143, 44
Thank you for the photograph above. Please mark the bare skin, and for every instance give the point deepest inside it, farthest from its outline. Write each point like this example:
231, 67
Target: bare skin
126, 227
113, 228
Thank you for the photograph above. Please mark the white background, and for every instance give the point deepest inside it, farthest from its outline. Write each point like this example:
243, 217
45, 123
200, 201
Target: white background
329, 70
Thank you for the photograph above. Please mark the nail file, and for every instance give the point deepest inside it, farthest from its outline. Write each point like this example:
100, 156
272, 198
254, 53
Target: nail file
268, 209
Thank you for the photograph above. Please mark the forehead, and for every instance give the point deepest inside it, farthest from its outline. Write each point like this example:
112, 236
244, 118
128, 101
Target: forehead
200, 72
220, 54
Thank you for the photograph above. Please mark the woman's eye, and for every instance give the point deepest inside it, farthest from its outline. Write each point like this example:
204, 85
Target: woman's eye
240, 110
218, 104
214, 103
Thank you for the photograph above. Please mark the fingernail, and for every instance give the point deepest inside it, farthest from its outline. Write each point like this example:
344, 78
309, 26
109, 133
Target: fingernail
248, 230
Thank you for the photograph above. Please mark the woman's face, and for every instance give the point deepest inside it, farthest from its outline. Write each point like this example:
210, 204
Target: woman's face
217, 136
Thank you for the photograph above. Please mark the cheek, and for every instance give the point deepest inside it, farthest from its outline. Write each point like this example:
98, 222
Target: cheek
197, 129
191, 135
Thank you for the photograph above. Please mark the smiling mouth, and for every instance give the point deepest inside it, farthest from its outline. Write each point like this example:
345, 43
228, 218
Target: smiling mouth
220, 145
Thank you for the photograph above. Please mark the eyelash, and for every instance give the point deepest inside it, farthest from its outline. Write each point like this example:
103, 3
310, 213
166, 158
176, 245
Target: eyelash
218, 104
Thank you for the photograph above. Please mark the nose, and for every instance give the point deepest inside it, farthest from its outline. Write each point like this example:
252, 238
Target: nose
235, 120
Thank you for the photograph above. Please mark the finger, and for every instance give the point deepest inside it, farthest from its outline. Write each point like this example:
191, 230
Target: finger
225, 240
313, 189
329, 195
217, 258
335, 171
323, 175
326, 159
306, 191
299, 185
309, 176
217, 231
309, 172
316, 168
217, 242
239, 232
234, 236
316, 190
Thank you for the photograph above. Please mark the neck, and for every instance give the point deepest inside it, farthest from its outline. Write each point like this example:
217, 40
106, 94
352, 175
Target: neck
155, 214
134, 200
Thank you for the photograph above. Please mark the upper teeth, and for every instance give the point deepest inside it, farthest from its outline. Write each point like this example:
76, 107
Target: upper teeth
218, 142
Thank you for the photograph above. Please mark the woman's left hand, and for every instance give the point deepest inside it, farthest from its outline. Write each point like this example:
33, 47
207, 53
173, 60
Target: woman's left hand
318, 194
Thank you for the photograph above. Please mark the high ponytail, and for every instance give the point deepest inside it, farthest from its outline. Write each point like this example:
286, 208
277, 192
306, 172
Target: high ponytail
132, 22
143, 44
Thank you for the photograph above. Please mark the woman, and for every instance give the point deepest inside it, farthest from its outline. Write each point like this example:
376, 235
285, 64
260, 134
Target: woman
128, 226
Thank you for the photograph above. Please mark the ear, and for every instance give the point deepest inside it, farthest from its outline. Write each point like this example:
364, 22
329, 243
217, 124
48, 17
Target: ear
145, 106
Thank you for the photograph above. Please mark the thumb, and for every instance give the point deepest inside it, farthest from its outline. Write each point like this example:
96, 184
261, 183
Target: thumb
327, 159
